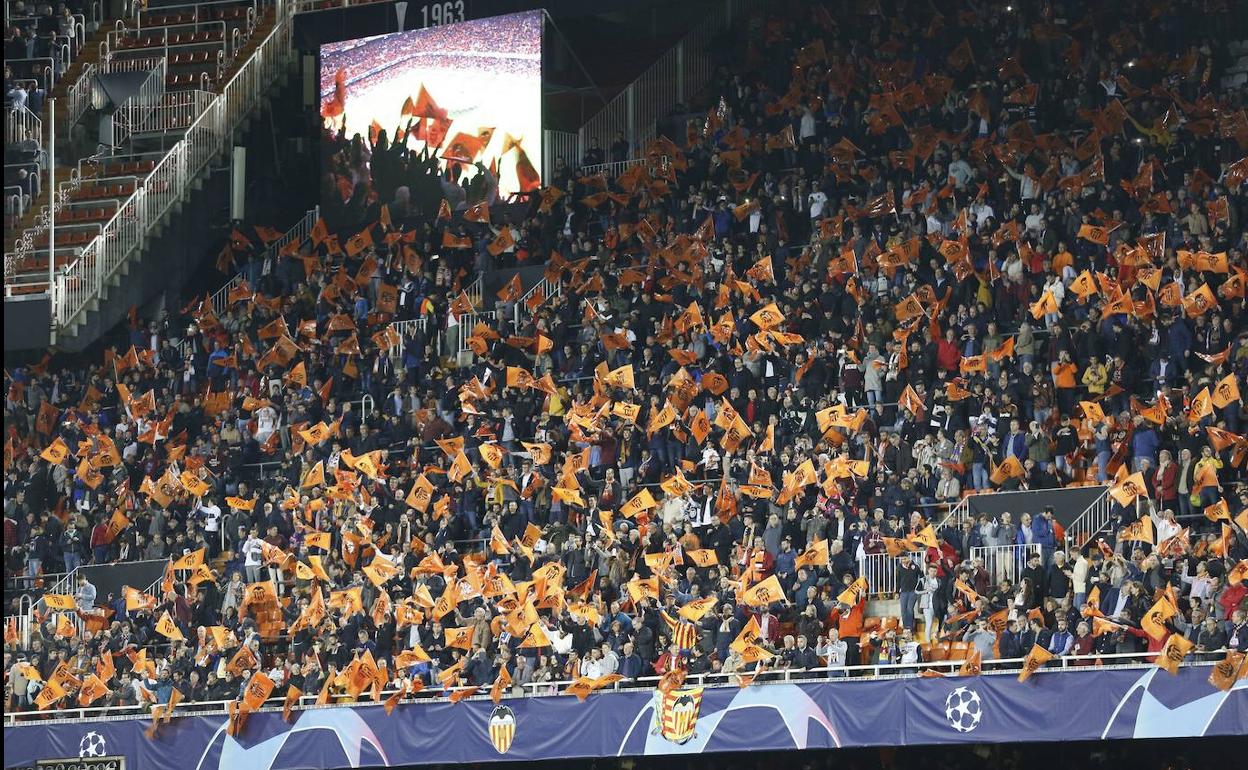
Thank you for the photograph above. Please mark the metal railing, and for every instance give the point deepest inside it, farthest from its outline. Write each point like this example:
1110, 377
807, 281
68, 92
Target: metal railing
135, 110
1093, 519
174, 112
613, 169
475, 290
956, 514
23, 126
43, 70
78, 95
829, 674
556, 145
136, 64
404, 329
457, 335
1005, 562
521, 311
84, 280
881, 572
682, 71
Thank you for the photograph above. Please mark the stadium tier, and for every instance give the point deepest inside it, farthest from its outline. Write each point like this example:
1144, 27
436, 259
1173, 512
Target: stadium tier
886, 391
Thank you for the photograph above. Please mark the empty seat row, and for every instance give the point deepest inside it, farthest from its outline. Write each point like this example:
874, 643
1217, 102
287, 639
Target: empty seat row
126, 168
191, 58
22, 289
179, 38
166, 19
188, 80
85, 215
93, 192
66, 239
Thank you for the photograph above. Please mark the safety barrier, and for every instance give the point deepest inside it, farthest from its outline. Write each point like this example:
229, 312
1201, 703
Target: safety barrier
613, 169
1090, 523
1005, 562
881, 572
521, 312
23, 126
135, 110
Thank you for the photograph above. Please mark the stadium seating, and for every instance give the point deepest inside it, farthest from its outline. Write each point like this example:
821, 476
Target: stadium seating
662, 424
195, 45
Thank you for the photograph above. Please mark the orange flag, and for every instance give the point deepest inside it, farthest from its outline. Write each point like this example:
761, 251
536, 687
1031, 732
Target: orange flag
169, 629
512, 290
763, 593
1155, 619
1174, 651
1226, 391
1128, 489
1229, 670
501, 683
973, 664
1034, 661
293, 694
815, 555
1095, 234
1140, 530
258, 690
1238, 573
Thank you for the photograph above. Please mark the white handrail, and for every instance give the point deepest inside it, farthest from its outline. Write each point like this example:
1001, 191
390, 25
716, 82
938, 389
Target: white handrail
475, 290
23, 126
463, 329
1005, 562
405, 328
78, 96
84, 279
1002, 667
956, 514
612, 169
881, 572
521, 311
134, 111
1091, 521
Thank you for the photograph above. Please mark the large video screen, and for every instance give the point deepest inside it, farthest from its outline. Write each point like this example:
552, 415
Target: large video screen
467, 94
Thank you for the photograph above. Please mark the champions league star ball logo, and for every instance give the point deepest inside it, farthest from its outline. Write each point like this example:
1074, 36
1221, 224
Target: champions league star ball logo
91, 745
502, 728
963, 709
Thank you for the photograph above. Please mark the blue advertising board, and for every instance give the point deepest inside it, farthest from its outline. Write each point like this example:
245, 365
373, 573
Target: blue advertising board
1089, 704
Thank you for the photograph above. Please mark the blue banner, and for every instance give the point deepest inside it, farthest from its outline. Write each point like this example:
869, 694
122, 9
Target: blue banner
1090, 704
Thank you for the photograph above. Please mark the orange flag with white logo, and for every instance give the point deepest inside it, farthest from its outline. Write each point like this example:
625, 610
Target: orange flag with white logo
1034, 661
1174, 651
1154, 621
763, 593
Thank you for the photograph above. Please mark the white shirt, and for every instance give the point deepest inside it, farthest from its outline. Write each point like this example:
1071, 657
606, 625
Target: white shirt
808, 125
817, 201
212, 517
252, 550
592, 668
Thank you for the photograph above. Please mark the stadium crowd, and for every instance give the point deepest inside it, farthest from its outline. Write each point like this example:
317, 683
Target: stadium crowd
883, 269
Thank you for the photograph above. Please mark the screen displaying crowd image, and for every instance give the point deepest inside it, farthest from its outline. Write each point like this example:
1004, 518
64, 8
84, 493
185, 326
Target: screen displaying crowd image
469, 93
